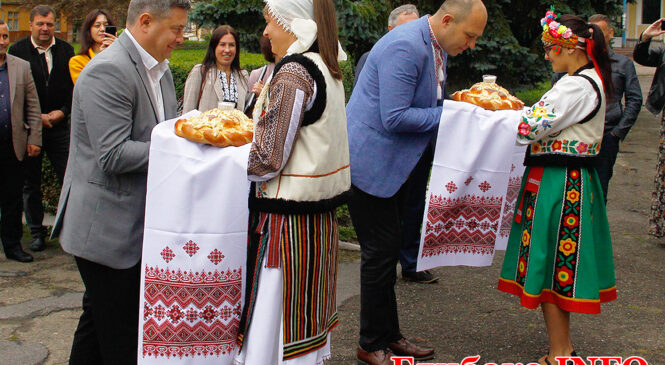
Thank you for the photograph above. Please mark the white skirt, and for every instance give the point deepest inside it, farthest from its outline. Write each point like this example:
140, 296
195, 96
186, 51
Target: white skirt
264, 342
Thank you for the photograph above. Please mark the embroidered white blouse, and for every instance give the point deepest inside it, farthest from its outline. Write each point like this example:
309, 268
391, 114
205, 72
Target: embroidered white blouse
570, 100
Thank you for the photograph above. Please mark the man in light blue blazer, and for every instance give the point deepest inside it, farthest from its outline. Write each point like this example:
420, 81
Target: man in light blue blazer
392, 116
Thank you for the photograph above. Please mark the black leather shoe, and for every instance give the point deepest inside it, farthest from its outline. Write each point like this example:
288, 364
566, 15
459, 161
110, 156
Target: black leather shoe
424, 277
37, 244
17, 254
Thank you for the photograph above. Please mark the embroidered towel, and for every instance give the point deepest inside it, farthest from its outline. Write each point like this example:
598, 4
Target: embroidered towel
514, 182
467, 187
194, 251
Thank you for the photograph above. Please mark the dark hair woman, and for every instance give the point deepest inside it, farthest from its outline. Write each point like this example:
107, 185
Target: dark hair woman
559, 253
94, 39
299, 165
219, 77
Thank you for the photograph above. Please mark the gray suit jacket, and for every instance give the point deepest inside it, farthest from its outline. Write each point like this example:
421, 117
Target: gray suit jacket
26, 114
102, 205
212, 90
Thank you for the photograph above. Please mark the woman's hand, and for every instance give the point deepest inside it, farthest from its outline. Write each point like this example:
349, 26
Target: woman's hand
108, 39
654, 30
258, 86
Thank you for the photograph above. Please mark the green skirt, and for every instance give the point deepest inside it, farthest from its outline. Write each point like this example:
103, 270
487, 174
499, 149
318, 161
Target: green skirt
560, 251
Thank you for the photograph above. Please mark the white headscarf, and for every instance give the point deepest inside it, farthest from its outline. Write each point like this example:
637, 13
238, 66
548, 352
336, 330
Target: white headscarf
297, 17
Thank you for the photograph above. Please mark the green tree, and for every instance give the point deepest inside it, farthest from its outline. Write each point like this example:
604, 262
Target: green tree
510, 47
245, 16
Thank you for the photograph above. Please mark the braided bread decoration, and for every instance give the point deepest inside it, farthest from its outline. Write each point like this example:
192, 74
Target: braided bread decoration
217, 127
489, 96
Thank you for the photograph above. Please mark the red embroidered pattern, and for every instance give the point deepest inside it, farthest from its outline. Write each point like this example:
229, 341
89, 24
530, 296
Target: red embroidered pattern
484, 186
191, 313
509, 205
467, 224
451, 187
167, 254
191, 248
468, 181
216, 256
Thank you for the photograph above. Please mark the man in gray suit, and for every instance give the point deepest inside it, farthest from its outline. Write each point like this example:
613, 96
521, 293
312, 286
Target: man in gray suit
20, 134
119, 97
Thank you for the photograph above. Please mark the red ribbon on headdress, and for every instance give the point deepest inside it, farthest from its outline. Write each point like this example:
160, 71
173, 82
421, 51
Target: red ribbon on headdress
589, 51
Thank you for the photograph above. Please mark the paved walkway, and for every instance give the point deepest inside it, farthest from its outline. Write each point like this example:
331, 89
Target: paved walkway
462, 315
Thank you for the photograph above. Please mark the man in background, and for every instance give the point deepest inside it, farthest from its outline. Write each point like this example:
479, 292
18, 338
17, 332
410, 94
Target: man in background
619, 118
49, 60
400, 15
20, 135
119, 98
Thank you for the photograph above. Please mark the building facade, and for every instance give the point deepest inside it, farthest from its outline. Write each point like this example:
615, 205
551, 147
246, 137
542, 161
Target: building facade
638, 16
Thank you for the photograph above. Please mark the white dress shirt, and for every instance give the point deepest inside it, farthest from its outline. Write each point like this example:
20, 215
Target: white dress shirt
47, 53
155, 71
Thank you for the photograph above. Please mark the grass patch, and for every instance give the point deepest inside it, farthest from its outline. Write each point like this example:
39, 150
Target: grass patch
346, 231
531, 96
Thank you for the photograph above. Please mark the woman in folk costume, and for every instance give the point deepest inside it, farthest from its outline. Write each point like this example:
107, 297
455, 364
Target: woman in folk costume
559, 252
299, 165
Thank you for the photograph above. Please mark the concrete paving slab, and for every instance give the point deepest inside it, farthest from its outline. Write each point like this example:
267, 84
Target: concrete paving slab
22, 353
41, 306
55, 332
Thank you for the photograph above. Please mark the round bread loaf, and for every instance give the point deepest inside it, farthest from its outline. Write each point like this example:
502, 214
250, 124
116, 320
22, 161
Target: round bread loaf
489, 96
217, 127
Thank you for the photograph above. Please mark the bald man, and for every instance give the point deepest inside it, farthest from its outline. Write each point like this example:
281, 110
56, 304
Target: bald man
392, 116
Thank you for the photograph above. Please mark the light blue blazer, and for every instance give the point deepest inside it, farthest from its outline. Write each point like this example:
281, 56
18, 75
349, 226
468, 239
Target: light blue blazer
393, 114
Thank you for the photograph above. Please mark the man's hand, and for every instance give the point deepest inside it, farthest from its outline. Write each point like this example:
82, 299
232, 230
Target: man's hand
258, 86
46, 121
56, 116
33, 150
653, 30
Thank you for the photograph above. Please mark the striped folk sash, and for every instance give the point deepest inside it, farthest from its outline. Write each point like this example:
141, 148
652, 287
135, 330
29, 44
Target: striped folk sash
307, 246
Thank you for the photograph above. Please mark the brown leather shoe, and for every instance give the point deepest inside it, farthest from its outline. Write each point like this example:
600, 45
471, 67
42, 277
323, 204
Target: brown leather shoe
379, 357
406, 348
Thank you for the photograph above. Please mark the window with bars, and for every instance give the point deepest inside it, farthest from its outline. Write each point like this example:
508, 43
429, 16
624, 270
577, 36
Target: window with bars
12, 20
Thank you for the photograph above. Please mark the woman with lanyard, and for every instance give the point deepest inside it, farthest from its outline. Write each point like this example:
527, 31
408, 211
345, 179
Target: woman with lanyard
299, 168
559, 253
219, 78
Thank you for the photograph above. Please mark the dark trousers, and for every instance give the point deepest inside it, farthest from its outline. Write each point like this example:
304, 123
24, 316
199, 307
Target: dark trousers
55, 144
107, 332
378, 224
11, 183
607, 156
414, 209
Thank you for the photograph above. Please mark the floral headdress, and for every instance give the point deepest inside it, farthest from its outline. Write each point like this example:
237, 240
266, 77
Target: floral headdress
557, 34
